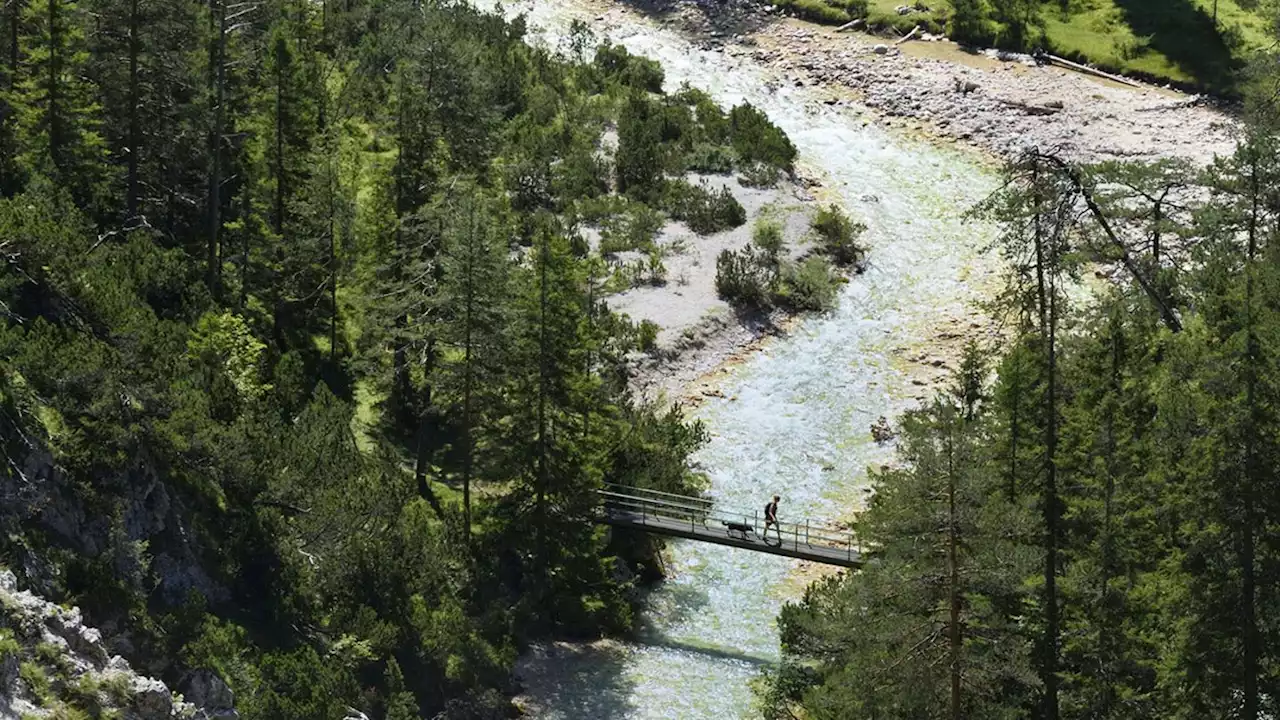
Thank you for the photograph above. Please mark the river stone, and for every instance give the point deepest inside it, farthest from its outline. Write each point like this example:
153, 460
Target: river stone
880, 49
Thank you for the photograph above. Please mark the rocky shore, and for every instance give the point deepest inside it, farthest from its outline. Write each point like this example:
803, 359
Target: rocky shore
999, 102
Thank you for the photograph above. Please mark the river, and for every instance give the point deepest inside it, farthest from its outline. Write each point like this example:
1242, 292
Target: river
794, 417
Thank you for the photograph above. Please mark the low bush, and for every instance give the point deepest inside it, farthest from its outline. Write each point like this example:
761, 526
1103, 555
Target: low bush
629, 70
756, 139
704, 211
743, 278
711, 159
647, 335
809, 285
838, 235
767, 235
632, 229
759, 175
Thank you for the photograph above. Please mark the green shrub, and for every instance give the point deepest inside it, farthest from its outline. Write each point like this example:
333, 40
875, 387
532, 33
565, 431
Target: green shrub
756, 139
647, 335
838, 235
969, 23
810, 285
711, 159
633, 229
767, 235
638, 162
712, 122
704, 211
743, 278
629, 70
759, 175
9, 646
38, 682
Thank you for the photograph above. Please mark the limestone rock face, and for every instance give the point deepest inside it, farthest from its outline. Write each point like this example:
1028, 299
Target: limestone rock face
80, 660
207, 691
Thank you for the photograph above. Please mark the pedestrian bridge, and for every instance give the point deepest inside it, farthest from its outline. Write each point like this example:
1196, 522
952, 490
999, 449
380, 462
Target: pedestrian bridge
696, 518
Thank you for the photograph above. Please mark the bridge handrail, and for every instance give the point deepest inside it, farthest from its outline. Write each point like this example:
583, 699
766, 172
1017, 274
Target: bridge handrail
655, 503
657, 506
629, 490
814, 534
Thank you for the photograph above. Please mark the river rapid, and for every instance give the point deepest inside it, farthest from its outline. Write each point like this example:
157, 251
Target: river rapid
794, 416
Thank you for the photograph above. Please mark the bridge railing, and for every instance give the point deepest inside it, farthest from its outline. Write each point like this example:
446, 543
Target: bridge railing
701, 514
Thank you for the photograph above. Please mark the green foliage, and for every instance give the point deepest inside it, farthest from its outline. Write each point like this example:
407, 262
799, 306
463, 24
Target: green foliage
830, 12
303, 272
10, 648
38, 683
631, 71
705, 211
811, 284
633, 229
756, 139
744, 277
767, 235
838, 235
647, 335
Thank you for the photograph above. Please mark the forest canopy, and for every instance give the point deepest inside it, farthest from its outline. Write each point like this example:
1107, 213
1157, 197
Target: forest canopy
307, 378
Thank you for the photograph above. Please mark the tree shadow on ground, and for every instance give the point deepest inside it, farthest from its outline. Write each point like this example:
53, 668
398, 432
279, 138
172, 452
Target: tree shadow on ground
580, 684
1184, 33
714, 653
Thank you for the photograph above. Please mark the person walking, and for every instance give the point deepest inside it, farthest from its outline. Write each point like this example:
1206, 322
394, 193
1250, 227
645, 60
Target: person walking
771, 518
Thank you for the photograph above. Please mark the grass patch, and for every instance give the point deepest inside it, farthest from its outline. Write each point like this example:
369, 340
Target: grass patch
38, 682
1177, 41
830, 12
9, 646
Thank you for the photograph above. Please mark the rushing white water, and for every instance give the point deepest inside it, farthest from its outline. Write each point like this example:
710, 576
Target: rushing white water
794, 418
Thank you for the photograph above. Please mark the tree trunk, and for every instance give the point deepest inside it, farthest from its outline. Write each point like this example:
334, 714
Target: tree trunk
467, 420
1253, 469
219, 72
953, 541
135, 140
333, 268
423, 456
543, 380
1046, 292
55, 75
279, 164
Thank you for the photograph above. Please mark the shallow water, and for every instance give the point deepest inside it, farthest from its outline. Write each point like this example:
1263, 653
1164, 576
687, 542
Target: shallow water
794, 418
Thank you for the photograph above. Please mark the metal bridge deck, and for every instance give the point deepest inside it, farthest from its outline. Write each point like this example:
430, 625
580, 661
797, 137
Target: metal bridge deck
698, 519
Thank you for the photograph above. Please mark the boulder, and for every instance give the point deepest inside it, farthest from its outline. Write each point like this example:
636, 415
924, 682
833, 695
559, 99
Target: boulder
880, 431
207, 691
881, 49
151, 699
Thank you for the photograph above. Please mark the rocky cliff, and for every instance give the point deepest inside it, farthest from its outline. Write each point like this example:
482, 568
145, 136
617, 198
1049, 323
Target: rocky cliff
52, 665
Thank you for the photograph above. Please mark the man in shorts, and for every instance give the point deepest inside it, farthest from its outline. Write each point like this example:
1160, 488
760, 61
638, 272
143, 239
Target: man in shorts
771, 518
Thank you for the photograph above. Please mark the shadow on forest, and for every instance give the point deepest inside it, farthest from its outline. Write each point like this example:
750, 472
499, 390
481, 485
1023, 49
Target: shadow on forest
1185, 34
727, 17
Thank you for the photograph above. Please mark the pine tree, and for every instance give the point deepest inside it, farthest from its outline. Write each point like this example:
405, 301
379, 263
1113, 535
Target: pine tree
58, 118
474, 301
918, 632
401, 704
1113, 540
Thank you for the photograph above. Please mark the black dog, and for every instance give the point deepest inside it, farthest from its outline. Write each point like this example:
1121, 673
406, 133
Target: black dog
737, 527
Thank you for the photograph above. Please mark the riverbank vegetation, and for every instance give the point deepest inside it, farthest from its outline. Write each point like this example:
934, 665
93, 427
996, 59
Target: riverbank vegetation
305, 376
1090, 533
760, 276
1199, 43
